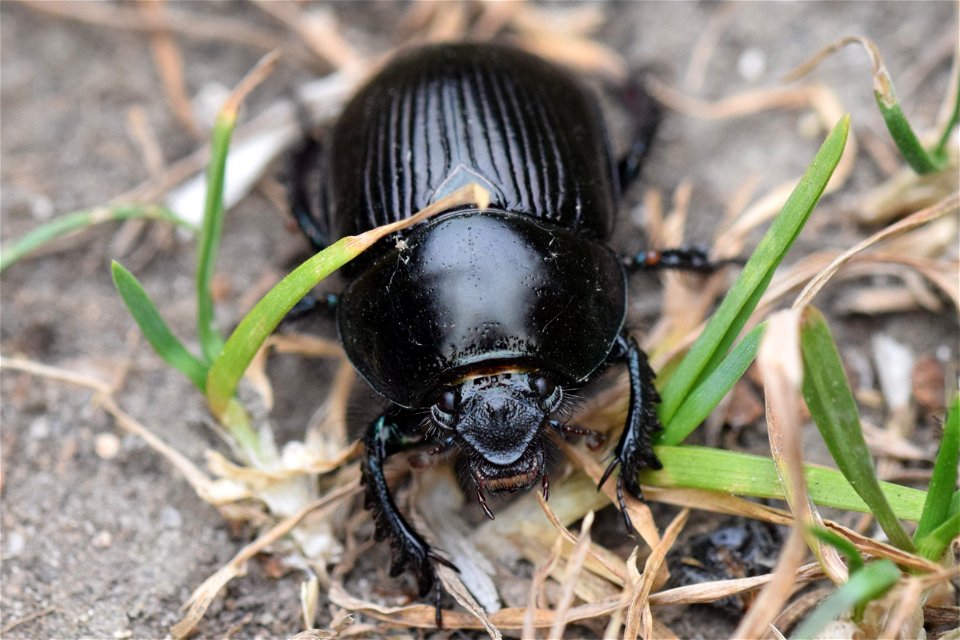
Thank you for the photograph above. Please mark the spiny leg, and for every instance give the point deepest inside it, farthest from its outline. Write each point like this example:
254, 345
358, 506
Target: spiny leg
682, 258
386, 436
634, 452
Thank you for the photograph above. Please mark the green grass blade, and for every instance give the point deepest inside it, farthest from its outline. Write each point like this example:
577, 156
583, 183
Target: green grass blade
903, 135
828, 396
242, 345
944, 479
746, 474
154, 328
868, 584
940, 151
897, 124
854, 559
735, 309
933, 544
210, 339
77, 220
841, 544
708, 394
256, 326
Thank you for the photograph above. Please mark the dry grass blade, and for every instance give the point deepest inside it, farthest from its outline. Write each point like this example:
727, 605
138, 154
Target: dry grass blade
630, 587
574, 567
254, 77
7, 628
169, 65
798, 608
306, 465
422, 615
781, 367
713, 591
604, 558
536, 586
639, 617
817, 97
318, 29
875, 60
948, 206
300, 344
706, 45
909, 603
327, 429
878, 549
198, 480
455, 587
732, 505
204, 594
304, 345
782, 373
219, 29
580, 54
639, 512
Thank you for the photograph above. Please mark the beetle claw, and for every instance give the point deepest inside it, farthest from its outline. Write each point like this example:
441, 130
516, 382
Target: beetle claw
483, 502
606, 474
623, 507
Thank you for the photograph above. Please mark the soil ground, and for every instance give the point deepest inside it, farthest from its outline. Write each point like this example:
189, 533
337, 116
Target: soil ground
110, 546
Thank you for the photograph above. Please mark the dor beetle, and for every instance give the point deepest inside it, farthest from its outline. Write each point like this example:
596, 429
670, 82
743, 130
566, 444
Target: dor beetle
475, 323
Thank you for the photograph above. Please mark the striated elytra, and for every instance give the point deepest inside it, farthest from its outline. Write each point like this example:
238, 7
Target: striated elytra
475, 323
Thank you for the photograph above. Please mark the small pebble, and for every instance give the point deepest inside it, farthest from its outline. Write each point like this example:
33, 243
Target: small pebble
752, 64
102, 540
107, 445
170, 518
122, 634
16, 543
40, 428
41, 207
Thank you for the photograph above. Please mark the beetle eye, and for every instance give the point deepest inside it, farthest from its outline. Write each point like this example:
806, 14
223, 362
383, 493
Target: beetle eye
448, 401
543, 387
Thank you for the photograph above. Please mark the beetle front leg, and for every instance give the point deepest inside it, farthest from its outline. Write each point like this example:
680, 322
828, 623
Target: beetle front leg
635, 449
384, 437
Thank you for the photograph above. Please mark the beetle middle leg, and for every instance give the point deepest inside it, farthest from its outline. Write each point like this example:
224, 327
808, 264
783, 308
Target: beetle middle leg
646, 114
634, 452
391, 433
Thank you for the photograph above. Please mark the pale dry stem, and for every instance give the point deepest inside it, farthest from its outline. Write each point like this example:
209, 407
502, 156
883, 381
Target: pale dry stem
204, 594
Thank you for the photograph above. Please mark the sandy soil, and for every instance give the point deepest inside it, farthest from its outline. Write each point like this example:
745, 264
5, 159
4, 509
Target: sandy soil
110, 546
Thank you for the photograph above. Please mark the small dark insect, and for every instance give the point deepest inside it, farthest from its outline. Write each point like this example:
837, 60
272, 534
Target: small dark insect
475, 323
740, 548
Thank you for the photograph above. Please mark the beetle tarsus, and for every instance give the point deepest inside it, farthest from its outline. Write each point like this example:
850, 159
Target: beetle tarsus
696, 259
437, 609
545, 483
594, 439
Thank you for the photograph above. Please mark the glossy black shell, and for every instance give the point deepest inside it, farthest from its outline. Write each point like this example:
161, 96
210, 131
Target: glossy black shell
525, 282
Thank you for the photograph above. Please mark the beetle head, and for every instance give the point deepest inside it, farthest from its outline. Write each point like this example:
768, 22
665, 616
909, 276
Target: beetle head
499, 422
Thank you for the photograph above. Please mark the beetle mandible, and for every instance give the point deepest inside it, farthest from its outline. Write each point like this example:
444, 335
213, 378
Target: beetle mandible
475, 325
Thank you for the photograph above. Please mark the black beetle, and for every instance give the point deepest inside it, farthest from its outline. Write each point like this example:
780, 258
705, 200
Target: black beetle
474, 323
